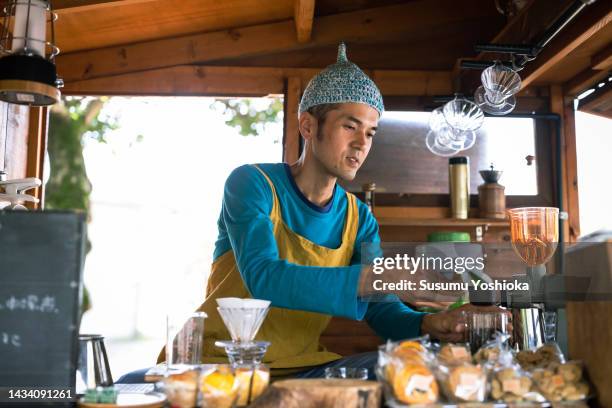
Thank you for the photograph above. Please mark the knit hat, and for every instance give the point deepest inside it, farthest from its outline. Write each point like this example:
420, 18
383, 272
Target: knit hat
340, 83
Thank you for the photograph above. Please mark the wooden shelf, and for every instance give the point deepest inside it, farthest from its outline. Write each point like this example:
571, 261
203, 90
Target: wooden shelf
441, 222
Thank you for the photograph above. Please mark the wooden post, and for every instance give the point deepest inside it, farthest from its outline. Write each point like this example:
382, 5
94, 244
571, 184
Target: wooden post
303, 16
568, 162
37, 146
291, 138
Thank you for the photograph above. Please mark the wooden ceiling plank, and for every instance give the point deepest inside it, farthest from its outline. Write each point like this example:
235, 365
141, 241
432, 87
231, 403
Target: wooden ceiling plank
63, 7
599, 103
157, 19
594, 18
304, 17
243, 81
407, 19
603, 59
583, 81
183, 81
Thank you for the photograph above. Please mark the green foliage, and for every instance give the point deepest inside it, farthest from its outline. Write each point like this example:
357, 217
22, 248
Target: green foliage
71, 121
68, 187
246, 114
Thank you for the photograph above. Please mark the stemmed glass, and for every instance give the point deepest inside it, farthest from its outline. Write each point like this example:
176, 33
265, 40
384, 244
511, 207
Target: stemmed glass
535, 234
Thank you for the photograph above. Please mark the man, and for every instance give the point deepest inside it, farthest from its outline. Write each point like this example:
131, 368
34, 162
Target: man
292, 235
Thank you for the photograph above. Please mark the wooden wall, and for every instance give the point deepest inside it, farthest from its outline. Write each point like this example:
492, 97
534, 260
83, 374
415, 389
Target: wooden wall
14, 127
23, 143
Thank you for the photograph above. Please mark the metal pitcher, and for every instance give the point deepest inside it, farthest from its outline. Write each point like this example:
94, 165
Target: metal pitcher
93, 369
528, 323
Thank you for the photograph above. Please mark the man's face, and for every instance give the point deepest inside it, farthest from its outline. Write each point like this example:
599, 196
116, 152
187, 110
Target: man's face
343, 141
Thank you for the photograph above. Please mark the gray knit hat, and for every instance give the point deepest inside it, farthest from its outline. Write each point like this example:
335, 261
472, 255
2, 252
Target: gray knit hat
340, 83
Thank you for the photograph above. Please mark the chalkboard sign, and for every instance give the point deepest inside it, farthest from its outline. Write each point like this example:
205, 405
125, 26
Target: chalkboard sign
41, 259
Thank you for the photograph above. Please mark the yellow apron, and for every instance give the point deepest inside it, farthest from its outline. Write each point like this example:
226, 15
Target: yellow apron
294, 335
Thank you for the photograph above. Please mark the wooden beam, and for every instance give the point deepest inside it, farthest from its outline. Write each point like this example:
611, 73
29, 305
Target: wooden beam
420, 83
592, 19
245, 81
598, 103
37, 145
569, 166
589, 335
185, 80
71, 6
377, 23
603, 59
303, 17
583, 81
291, 139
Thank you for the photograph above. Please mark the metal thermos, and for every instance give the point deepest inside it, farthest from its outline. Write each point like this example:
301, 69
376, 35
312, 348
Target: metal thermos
459, 186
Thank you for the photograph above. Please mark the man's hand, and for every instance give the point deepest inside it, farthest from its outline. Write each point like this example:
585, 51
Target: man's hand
451, 325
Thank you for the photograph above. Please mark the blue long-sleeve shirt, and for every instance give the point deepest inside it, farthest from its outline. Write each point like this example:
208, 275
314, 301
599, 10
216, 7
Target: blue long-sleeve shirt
245, 226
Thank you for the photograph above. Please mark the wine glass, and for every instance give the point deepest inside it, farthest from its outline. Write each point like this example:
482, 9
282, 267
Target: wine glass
535, 233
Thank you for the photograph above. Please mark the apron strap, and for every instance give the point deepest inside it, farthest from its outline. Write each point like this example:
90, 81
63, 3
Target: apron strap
275, 212
351, 223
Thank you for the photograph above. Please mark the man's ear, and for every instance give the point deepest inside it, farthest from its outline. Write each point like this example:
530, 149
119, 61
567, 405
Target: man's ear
307, 125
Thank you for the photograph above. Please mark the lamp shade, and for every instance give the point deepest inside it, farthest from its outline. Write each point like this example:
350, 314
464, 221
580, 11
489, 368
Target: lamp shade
28, 80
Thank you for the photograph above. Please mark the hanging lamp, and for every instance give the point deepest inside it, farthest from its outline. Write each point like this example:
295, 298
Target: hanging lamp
27, 60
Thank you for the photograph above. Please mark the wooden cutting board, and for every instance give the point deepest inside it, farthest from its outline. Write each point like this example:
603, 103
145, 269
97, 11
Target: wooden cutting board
321, 393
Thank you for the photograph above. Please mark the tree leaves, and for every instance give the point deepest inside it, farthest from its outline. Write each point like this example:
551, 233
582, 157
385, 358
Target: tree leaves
248, 115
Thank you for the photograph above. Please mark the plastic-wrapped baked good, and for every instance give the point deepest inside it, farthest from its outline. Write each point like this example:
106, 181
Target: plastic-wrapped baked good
451, 354
415, 384
414, 351
547, 354
403, 368
410, 352
182, 389
255, 385
464, 383
487, 355
511, 384
562, 382
219, 387
496, 352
